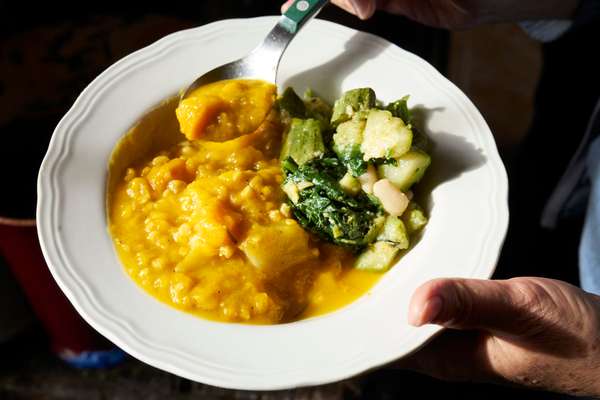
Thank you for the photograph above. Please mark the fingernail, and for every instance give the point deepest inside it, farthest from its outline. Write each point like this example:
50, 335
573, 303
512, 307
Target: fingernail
426, 314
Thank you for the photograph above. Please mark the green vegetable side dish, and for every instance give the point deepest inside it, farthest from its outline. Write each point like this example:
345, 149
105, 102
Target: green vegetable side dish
349, 170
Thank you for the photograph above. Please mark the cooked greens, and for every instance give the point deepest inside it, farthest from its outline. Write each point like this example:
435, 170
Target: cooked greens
399, 109
326, 209
326, 158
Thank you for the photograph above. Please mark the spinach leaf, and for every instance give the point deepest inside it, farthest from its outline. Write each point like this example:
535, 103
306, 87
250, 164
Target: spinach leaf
326, 210
353, 160
399, 108
384, 161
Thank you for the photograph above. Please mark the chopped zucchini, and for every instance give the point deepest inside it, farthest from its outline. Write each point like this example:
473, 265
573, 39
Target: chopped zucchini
399, 108
316, 107
346, 144
385, 136
351, 102
347, 135
394, 232
377, 257
304, 141
414, 218
375, 230
291, 105
350, 184
408, 170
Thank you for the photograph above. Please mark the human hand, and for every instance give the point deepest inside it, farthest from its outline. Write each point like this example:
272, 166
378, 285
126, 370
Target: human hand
455, 14
534, 332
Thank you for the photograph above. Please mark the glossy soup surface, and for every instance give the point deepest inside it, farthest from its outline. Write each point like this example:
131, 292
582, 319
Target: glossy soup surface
204, 226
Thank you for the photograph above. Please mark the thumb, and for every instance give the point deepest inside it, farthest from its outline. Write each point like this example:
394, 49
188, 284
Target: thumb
495, 306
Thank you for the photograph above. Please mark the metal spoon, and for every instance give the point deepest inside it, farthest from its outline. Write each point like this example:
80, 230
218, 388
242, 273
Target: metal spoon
263, 62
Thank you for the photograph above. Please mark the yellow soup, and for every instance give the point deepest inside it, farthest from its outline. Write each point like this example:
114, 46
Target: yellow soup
204, 226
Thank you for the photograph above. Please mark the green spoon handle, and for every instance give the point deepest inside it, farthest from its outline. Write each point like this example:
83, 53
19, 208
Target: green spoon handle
300, 12
264, 60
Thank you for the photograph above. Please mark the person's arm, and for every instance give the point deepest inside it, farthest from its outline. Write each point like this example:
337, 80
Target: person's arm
534, 332
456, 14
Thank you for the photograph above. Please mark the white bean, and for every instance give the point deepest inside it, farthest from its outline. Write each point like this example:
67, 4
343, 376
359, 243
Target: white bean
392, 199
368, 179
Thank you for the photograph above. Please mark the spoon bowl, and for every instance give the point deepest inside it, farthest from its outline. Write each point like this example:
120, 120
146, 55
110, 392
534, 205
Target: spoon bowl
263, 62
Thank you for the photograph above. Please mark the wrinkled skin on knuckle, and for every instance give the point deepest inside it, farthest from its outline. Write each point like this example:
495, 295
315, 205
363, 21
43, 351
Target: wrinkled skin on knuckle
536, 307
556, 312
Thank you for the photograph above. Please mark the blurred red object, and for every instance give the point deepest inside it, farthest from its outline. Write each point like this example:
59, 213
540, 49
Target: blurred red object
69, 334
15, 314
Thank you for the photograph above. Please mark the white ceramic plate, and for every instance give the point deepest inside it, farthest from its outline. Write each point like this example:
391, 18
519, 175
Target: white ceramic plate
468, 210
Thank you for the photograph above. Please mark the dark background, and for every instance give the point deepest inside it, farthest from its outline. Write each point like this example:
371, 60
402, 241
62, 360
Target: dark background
50, 51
